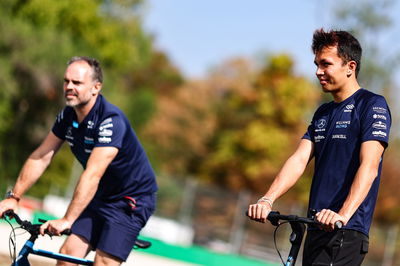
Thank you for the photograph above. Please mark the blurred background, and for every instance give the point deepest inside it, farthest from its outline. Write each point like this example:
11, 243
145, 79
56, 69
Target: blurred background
219, 93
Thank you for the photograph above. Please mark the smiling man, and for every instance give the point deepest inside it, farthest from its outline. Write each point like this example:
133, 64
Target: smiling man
347, 137
115, 194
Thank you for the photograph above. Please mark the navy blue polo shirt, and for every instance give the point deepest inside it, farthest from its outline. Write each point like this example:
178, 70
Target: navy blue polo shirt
337, 131
130, 173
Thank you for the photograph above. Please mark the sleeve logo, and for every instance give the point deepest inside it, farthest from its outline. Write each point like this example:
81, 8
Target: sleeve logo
379, 110
376, 116
105, 131
379, 133
379, 125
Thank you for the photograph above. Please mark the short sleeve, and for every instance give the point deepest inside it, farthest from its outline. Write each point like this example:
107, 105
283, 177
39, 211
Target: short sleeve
310, 132
60, 125
376, 121
111, 132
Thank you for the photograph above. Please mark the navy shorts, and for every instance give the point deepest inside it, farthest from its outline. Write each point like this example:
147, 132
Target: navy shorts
113, 227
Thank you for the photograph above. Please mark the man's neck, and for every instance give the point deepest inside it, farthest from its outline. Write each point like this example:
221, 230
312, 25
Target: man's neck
342, 94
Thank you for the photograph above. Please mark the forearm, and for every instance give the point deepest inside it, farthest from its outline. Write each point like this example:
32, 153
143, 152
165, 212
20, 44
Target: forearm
292, 170
84, 193
289, 174
33, 168
359, 190
36, 163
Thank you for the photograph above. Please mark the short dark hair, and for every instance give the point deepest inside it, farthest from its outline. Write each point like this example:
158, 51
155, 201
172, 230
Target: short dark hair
348, 47
93, 63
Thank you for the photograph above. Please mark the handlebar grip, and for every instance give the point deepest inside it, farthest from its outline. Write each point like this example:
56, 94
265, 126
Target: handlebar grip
66, 232
9, 213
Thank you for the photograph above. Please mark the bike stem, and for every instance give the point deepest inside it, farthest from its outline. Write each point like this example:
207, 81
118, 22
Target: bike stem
296, 237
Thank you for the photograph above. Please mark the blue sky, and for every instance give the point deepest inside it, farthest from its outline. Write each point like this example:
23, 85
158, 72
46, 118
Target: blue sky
199, 34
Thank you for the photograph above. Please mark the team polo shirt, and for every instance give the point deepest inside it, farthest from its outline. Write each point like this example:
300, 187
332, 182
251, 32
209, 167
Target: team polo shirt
337, 131
130, 173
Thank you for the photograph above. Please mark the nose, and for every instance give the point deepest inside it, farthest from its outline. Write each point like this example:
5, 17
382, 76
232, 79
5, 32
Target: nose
319, 71
68, 85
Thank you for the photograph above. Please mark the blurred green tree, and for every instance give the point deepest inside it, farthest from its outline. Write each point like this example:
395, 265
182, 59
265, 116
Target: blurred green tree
38, 37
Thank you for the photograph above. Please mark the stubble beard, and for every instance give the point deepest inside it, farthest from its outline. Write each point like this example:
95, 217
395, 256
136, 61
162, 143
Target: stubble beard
76, 103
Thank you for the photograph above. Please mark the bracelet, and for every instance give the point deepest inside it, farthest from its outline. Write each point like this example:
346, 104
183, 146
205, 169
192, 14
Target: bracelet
265, 199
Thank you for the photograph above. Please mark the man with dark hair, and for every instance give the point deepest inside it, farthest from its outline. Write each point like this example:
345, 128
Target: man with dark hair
115, 194
347, 137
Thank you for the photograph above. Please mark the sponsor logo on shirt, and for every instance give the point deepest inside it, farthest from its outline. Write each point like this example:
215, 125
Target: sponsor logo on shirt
342, 124
379, 125
106, 126
106, 133
105, 140
89, 140
339, 136
349, 108
376, 116
321, 123
90, 124
379, 133
88, 151
319, 138
379, 110
106, 121
69, 134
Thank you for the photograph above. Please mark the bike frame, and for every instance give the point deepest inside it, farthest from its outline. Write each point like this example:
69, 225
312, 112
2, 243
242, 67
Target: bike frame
28, 248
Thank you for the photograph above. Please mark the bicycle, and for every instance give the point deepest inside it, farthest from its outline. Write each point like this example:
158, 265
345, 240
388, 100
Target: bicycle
298, 225
28, 248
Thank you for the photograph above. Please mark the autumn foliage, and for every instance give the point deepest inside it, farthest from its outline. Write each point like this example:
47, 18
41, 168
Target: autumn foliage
236, 127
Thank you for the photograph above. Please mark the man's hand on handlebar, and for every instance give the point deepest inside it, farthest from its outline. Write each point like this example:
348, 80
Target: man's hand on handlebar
7, 204
55, 227
259, 211
329, 220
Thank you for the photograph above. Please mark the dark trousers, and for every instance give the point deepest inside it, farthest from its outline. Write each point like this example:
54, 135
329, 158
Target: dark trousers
338, 248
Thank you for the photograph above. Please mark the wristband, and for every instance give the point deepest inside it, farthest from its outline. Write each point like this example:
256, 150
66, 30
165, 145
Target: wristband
10, 195
267, 200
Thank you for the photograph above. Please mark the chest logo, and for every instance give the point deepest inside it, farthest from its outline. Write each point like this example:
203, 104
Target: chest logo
349, 108
69, 134
90, 124
321, 123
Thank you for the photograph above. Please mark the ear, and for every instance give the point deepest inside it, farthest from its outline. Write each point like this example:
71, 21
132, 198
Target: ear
351, 68
97, 88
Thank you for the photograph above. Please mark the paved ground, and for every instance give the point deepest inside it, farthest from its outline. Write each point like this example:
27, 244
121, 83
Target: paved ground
136, 258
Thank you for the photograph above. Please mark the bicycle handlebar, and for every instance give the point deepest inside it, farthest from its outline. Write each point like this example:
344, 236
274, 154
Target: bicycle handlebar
33, 229
274, 217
